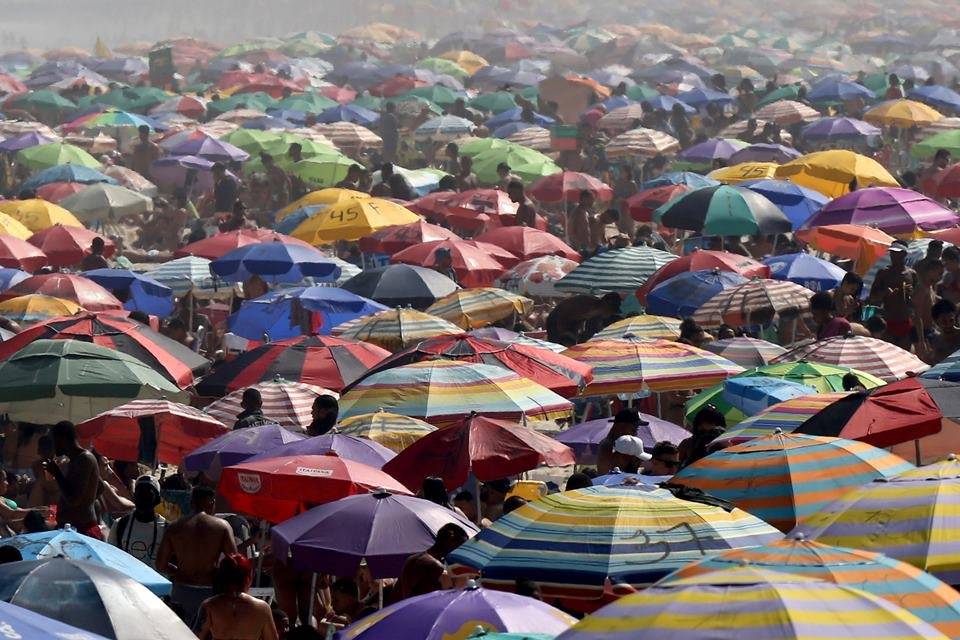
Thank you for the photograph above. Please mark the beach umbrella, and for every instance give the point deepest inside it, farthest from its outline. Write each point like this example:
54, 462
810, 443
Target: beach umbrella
786, 112
584, 438
185, 275
472, 262
937, 96
537, 277
949, 140
876, 357
274, 262
469, 208
902, 113
36, 215
349, 113
485, 447
757, 301
85, 595
443, 129
25, 141
66, 173
780, 605
20, 254
796, 202
68, 543
353, 219
190, 106
57, 191
506, 335
527, 164
831, 172
642, 204
44, 156
723, 210
495, 102
622, 536
10, 226
754, 394
178, 363
700, 260
889, 579
836, 89
10, 277
276, 489
209, 148
424, 390
344, 446
786, 478
864, 245
839, 129
284, 402
322, 361
33, 308
234, 447
684, 293
25, 624
475, 308
379, 529
899, 212
527, 243
53, 380
566, 186
83, 291
698, 97
394, 431
142, 293
762, 152
397, 238
783, 417
643, 326
218, 245
401, 284
642, 142
746, 352
66, 246
397, 328
442, 614
948, 369
806, 270
742, 172
704, 153
632, 365
620, 270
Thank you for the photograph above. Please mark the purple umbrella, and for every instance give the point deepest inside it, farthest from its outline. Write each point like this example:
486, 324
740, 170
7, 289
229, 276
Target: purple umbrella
709, 150
210, 148
379, 527
25, 141
235, 447
348, 447
171, 172
584, 438
839, 129
456, 613
896, 211
764, 153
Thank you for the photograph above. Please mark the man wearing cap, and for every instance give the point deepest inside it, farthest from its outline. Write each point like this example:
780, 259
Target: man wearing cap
625, 423
443, 263
628, 454
892, 290
139, 533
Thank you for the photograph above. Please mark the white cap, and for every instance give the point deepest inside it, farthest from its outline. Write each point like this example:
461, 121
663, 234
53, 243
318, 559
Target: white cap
631, 446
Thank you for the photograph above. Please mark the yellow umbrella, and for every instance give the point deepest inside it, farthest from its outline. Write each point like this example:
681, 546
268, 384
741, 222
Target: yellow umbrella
36, 307
392, 430
831, 172
12, 227
352, 220
903, 113
470, 61
37, 214
744, 171
321, 197
642, 326
475, 308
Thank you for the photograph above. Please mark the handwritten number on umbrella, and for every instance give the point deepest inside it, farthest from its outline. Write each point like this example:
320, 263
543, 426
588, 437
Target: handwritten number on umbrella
702, 543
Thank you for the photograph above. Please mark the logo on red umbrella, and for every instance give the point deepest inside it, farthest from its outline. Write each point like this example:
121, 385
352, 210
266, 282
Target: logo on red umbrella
316, 473
249, 482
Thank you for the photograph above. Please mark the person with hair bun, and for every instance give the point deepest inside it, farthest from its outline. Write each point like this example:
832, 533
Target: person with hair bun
233, 614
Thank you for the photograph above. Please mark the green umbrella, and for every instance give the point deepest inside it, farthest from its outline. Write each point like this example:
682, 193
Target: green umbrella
786, 92
876, 82
257, 44
257, 100
411, 105
253, 141
368, 101
437, 94
44, 156
496, 102
530, 93
641, 92
307, 102
52, 380
476, 146
322, 171
43, 99
442, 66
949, 140
527, 164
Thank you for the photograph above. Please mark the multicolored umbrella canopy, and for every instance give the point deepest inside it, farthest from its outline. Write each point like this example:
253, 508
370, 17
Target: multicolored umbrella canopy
876, 357
392, 430
903, 517
899, 212
756, 302
683, 294
84, 292
632, 365
441, 615
476, 308
399, 285
32, 308
746, 352
396, 329
584, 438
930, 599
752, 603
786, 478
286, 403
67, 173
188, 275
219, 245
631, 536
723, 210
618, 270
704, 260
784, 416
651, 327
440, 392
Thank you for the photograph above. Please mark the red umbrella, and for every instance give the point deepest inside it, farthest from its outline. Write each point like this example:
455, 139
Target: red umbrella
343, 95
566, 187
527, 243
491, 202
219, 245
642, 204
704, 260
86, 293
394, 239
396, 86
179, 430
946, 184
474, 266
257, 82
11, 86
490, 449
20, 254
947, 235
433, 206
324, 361
561, 374
276, 489
57, 191
67, 246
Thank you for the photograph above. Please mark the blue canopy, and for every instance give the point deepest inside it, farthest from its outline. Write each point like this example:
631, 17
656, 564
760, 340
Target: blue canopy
797, 203
666, 103
515, 115
806, 270
937, 96
139, 292
698, 97
349, 113
66, 173
275, 262
833, 89
26, 625
684, 293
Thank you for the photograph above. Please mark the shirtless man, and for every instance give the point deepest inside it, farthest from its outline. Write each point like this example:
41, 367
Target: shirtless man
893, 289
79, 486
234, 614
195, 543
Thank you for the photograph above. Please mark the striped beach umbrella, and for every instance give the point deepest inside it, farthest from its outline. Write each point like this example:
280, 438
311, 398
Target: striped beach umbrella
631, 365
188, 274
621, 270
476, 308
396, 329
786, 416
908, 517
930, 599
441, 392
572, 543
285, 403
642, 142
784, 478
746, 352
684, 293
36, 307
392, 430
751, 603
755, 302
876, 357
643, 326
537, 277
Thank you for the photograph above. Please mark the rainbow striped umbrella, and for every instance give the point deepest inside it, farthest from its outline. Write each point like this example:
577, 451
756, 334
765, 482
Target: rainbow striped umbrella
396, 329
642, 326
571, 543
746, 352
877, 357
910, 517
751, 603
755, 302
441, 392
929, 599
783, 478
785, 416
476, 308
392, 430
631, 365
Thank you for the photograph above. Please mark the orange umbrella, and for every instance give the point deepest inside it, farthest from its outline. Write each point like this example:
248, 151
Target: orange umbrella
863, 245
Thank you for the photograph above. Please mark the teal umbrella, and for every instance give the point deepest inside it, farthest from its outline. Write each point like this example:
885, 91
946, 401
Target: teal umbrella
786, 92
368, 101
496, 102
723, 211
307, 102
41, 100
437, 94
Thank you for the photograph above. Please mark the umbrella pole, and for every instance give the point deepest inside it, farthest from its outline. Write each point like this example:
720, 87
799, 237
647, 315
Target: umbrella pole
477, 498
263, 526
380, 594
313, 598
916, 450
659, 410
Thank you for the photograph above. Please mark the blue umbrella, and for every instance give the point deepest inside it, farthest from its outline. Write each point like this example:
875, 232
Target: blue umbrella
936, 96
948, 369
274, 314
275, 262
806, 270
615, 102
797, 203
24, 624
349, 113
235, 447
836, 90
507, 130
292, 220
753, 395
698, 97
684, 293
290, 115
140, 292
515, 115
839, 129
66, 173
686, 178
10, 277
25, 141
666, 103
70, 544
